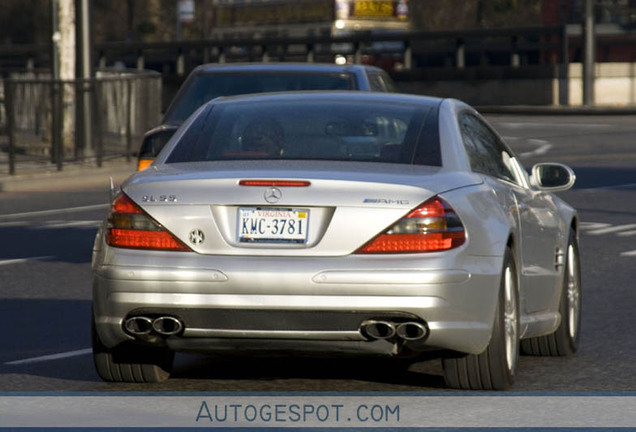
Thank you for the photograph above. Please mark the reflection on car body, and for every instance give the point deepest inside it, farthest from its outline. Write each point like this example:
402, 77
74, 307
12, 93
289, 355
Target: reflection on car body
390, 225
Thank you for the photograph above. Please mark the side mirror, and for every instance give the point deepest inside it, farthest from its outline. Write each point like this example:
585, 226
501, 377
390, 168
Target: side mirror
553, 177
153, 142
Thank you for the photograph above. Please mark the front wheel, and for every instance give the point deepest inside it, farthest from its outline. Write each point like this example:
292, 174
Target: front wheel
495, 368
131, 363
565, 340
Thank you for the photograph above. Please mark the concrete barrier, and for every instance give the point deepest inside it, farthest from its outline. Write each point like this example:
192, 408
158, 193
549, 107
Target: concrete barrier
615, 85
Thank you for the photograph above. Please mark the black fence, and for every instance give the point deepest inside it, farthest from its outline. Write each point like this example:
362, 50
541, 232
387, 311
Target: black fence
406, 55
407, 50
404, 50
46, 122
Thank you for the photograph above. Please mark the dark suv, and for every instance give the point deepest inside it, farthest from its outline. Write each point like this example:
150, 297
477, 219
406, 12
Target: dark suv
210, 81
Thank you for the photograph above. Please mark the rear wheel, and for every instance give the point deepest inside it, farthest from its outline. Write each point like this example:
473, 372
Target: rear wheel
565, 340
495, 368
131, 363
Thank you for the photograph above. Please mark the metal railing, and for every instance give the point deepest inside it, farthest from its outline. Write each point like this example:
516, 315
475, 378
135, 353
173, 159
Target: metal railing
515, 47
55, 122
457, 49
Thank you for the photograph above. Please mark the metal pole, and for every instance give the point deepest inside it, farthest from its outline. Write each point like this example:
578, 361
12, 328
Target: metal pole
178, 22
460, 54
56, 106
84, 75
564, 66
8, 105
408, 56
58, 122
357, 56
588, 57
55, 39
129, 110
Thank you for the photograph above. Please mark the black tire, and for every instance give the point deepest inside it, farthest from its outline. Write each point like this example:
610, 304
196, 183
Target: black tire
131, 363
565, 340
496, 367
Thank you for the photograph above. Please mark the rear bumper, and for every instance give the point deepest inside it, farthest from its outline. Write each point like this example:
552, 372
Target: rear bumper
233, 303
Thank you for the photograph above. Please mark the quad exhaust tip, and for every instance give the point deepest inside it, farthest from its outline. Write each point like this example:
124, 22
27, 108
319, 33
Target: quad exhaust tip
411, 331
380, 330
164, 325
372, 329
138, 325
167, 325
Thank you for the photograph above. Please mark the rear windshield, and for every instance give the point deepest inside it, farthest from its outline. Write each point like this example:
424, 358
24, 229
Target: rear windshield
312, 130
202, 88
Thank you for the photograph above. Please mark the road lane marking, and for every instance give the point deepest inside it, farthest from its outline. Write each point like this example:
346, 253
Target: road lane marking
54, 211
55, 224
13, 224
626, 233
610, 187
520, 125
623, 186
24, 260
51, 357
612, 229
69, 224
600, 228
543, 147
593, 225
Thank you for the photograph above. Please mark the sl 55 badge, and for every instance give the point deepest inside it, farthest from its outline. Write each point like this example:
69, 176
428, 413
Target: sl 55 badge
159, 198
385, 201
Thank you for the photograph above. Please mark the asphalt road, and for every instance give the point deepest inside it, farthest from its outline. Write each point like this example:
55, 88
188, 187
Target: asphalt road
45, 251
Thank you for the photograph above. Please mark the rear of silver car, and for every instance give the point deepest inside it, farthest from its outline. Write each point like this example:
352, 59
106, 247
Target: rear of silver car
332, 223
228, 292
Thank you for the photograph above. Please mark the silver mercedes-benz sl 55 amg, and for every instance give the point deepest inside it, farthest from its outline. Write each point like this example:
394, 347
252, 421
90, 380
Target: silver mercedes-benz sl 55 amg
329, 223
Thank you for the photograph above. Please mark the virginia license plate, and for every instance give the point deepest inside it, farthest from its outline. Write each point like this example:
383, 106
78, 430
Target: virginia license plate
272, 225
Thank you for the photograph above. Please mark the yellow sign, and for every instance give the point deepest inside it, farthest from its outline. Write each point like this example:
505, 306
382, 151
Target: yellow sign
373, 9
276, 13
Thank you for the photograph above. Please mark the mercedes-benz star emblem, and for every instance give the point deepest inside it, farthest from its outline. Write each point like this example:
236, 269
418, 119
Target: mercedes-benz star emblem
273, 195
196, 237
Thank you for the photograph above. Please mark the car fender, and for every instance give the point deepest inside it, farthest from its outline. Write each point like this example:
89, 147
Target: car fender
488, 226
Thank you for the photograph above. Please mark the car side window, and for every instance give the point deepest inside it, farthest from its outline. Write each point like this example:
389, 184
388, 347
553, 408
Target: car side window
389, 84
376, 83
487, 154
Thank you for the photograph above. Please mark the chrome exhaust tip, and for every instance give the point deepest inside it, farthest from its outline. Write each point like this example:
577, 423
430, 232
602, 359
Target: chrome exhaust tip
377, 329
411, 331
167, 325
138, 325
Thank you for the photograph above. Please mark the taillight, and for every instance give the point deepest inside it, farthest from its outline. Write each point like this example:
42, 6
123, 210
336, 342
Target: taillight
130, 227
432, 227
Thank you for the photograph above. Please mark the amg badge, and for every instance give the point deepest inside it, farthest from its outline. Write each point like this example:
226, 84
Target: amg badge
385, 201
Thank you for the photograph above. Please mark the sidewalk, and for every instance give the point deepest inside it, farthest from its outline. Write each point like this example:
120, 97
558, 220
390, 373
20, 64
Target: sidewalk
72, 176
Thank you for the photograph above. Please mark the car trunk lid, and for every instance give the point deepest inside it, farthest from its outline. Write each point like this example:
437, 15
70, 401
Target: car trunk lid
216, 208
